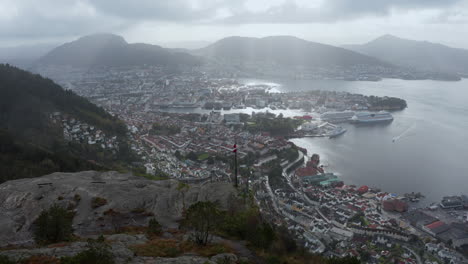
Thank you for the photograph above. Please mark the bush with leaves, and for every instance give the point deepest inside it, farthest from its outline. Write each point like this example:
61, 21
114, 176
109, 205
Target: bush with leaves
41, 259
98, 202
202, 218
97, 252
5, 260
345, 260
154, 227
53, 225
263, 237
247, 224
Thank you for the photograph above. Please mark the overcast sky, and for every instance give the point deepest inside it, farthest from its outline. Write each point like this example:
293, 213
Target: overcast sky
156, 21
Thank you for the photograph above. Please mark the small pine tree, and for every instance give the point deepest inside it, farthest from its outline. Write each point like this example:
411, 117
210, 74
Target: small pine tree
53, 225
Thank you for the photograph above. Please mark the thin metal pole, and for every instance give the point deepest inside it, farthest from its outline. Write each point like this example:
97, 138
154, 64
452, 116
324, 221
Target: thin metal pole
235, 164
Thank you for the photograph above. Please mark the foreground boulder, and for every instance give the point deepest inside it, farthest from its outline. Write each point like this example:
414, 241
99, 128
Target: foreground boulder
102, 202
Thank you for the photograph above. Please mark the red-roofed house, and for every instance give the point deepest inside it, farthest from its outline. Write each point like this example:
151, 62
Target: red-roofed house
306, 171
436, 228
395, 205
363, 189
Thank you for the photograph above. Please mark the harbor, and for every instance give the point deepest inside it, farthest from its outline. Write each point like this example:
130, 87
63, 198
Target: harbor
327, 124
324, 129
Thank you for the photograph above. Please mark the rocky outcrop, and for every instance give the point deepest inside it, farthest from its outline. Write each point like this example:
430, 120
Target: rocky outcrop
119, 245
102, 201
217, 259
60, 251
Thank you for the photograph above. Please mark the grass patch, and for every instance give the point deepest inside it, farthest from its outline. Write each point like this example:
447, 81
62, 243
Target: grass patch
203, 156
172, 248
154, 177
150, 177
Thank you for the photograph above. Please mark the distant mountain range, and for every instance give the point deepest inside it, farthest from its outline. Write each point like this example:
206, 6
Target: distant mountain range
31, 144
276, 56
419, 55
285, 50
113, 50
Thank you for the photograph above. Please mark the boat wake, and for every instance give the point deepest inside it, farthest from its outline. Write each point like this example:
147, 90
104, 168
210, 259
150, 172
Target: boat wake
404, 134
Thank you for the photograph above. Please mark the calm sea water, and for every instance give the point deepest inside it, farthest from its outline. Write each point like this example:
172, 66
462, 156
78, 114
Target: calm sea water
430, 152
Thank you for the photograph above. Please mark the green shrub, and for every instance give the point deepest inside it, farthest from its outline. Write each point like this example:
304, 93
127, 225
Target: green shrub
154, 227
202, 218
53, 225
77, 197
98, 202
248, 225
97, 252
345, 260
273, 260
5, 260
40, 259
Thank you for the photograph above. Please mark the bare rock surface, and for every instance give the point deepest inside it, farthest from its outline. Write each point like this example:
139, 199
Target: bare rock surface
126, 200
62, 251
119, 245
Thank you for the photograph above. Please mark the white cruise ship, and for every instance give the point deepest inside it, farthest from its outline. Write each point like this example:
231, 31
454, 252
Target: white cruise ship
337, 117
369, 117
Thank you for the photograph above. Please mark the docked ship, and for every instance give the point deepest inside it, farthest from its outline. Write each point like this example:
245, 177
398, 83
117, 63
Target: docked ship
370, 117
337, 117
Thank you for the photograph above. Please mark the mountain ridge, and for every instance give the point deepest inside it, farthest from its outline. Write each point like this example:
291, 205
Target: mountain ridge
249, 47
106, 49
421, 55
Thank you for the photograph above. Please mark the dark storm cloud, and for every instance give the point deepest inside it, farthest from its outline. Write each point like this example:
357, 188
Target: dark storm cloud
335, 10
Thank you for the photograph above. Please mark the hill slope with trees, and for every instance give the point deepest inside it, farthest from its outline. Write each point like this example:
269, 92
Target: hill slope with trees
31, 144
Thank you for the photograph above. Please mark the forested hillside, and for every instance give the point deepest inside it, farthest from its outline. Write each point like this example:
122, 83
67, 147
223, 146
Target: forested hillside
32, 145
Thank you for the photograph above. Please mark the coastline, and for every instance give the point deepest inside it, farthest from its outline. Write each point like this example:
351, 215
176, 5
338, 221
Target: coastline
373, 147
423, 203
274, 88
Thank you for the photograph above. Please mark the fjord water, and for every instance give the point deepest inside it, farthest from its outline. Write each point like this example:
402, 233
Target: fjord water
425, 148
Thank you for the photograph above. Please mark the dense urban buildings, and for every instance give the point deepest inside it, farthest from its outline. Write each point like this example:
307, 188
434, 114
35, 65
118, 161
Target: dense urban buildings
186, 125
